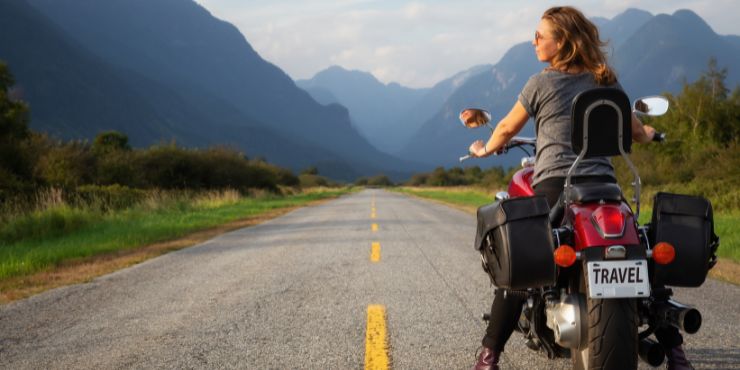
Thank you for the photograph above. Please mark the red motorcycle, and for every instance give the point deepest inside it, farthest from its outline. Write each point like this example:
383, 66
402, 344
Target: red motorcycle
594, 280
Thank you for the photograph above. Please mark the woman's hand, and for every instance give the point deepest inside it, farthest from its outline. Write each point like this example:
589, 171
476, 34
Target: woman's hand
649, 131
478, 149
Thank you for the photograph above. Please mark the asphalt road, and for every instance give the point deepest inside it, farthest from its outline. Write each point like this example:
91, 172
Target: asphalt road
294, 293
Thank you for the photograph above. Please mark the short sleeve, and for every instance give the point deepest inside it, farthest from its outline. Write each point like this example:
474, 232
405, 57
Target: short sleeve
617, 85
528, 96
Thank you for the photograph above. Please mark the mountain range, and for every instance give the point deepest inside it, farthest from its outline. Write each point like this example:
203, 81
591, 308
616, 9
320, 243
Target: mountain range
168, 70
652, 54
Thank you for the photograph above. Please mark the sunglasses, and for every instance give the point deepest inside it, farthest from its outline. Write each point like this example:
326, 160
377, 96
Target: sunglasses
538, 36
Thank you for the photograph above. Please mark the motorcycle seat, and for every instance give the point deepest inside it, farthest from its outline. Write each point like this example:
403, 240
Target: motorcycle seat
594, 192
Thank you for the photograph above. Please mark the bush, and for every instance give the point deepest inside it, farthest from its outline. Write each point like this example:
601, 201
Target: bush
171, 167
117, 168
310, 181
66, 165
106, 198
379, 180
109, 142
418, 179
494, 177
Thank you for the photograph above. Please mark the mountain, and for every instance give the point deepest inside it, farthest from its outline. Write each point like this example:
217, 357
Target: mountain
671, 49
651, 54
442, 139
620, 28
180, 60
168, 70
431, 102
389, 115
375, 107
53, 71
74, 94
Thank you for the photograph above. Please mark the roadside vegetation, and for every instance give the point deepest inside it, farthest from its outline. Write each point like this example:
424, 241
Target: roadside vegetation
62, 232
68, 202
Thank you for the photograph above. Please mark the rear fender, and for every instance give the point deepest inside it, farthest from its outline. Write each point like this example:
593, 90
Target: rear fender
585, 230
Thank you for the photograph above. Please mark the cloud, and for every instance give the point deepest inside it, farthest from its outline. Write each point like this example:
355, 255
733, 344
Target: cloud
416, 44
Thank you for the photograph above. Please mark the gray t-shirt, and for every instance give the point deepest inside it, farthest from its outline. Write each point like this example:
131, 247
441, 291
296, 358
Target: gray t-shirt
548, 98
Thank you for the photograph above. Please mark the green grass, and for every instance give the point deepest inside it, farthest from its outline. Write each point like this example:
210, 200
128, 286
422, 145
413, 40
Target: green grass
726, 224
61, 234
460, 196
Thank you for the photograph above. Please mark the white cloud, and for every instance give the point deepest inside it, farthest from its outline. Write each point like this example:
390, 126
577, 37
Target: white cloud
412, 42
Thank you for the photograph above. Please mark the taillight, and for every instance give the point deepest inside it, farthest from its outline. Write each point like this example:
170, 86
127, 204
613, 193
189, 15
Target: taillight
609, 221
663, 253
565, 256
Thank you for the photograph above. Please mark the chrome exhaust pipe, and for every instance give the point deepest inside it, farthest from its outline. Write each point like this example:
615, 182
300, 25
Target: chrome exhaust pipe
685, 318
651, 352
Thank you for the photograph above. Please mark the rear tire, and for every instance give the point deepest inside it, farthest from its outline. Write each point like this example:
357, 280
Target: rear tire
612, 341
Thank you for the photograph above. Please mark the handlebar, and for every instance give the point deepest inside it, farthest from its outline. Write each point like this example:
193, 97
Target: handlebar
518, 141
515, 142
659, 137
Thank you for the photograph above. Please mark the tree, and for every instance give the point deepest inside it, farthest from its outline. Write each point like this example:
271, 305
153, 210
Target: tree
312, 170
110, 141
15, 164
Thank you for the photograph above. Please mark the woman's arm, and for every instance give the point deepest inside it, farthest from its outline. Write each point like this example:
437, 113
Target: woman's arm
641, 133
504, 131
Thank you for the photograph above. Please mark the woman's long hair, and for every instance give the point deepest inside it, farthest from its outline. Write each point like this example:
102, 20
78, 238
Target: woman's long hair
581, 45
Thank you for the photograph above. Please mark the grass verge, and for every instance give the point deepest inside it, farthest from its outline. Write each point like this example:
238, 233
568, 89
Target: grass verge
725, 224
121, 239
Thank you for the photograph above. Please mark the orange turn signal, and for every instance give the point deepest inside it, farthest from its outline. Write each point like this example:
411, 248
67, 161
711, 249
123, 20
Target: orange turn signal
663, 253
565, 256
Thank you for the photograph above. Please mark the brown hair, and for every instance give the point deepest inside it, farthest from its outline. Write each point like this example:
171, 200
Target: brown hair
581, 45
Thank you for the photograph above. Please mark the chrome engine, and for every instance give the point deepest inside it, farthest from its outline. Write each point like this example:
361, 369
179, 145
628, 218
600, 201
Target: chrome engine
564, 319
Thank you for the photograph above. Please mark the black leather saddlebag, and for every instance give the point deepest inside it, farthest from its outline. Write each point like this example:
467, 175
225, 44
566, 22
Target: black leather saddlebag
515, 241
687, 223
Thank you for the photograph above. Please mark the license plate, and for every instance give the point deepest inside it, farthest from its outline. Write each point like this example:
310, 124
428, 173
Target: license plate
618, 279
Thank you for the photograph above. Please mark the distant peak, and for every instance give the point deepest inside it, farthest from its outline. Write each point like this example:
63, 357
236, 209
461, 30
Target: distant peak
687, 15
635, 11
633, 14
339, 70
690, 17
335, 69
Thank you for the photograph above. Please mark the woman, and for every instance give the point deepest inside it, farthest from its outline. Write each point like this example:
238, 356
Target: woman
570, 44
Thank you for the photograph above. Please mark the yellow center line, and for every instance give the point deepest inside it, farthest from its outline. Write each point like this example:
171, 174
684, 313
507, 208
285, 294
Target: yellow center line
376, 345
375, 252
374, 227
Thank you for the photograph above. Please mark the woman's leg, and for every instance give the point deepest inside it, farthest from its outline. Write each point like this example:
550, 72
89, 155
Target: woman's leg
505, 312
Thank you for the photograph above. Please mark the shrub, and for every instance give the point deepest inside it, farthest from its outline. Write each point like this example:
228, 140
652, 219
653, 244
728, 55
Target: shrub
66, 165
379, 180
310, 181
106, 198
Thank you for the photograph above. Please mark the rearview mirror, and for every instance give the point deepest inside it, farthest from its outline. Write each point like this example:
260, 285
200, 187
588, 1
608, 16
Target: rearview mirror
474, 118
651, 106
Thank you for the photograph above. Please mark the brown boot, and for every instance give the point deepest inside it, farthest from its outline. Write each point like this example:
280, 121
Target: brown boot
677, 359
487, 360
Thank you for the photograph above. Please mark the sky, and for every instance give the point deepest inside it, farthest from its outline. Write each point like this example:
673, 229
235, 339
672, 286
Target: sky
416, 43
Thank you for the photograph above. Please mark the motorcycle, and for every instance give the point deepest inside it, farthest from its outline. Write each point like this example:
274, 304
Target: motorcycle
594, 280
